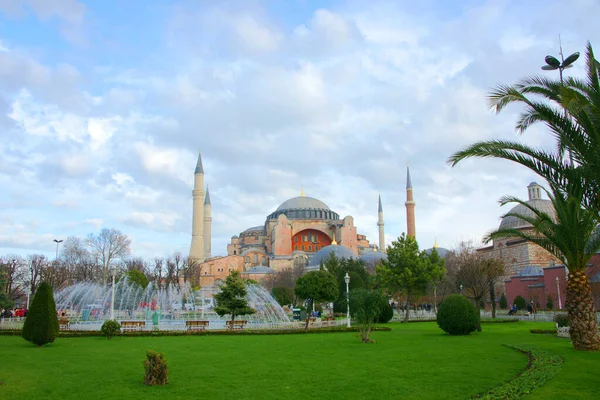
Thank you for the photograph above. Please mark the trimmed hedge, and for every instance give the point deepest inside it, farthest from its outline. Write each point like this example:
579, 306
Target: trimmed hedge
110, 327
457, 315
499, 321
542, 367
41, 323
75, 334
386, 315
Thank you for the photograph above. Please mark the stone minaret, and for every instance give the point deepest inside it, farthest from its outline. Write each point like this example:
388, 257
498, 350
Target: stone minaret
197, 247
380, 225
207, 225
410, 207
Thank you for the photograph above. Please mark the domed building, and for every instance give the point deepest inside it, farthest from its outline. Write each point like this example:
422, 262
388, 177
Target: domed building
519, 253
300, 232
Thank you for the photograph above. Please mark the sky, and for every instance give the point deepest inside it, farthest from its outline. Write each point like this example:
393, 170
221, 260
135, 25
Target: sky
105, 105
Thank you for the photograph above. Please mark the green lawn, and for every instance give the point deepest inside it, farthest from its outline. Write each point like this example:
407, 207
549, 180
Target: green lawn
413, 361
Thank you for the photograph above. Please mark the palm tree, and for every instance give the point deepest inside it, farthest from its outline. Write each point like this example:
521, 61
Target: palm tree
572, 114
573, 237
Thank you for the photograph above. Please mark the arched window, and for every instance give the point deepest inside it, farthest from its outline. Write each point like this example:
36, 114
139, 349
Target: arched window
234, 252
255, 258
309, 247
263, 261
515, 267
247, 259
296, 247
552, 263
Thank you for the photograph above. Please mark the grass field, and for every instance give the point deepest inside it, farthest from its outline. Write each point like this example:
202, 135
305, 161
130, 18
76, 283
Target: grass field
413, 361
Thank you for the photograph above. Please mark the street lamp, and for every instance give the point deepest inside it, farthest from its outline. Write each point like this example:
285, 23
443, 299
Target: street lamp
347, 280
435, 298
460, 286
553, 64
112, 300
57, 242
558, 293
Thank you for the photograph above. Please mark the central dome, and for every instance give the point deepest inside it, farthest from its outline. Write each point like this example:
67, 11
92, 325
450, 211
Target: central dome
302, 202
304, 207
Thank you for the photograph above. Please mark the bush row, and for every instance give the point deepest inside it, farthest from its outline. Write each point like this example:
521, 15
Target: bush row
499, 321
72, 334
542, 367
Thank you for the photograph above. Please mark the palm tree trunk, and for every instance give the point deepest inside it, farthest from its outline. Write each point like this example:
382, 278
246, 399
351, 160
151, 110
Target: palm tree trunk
583, 326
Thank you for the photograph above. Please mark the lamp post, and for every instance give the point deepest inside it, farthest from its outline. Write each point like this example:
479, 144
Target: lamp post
347, 280
202, 307
112, 300
28, 293
558, 293
435, 298
552, 63
461, 288
57, 242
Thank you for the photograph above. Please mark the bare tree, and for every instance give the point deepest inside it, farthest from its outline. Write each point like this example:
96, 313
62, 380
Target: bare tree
109, 245
36, 264
192, 271
78, 260
157, 272
137, 264
14, 267
475, 274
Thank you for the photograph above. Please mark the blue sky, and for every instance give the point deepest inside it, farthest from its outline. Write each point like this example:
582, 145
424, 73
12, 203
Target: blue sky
105, 104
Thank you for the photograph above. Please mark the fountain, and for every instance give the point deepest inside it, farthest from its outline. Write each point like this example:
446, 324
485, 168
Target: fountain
87, 305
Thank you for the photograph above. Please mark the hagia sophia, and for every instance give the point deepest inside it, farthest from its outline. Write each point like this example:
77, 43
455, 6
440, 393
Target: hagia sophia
301, 232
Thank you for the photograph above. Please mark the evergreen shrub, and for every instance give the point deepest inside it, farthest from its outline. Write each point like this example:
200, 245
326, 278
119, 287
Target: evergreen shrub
520, 303
110, 328
41, 323
386, 315
503, 302
457, 315
550, 303
562, 320
156, 369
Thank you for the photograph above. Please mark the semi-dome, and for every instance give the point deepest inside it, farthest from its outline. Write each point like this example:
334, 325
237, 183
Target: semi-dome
373, 257
325, 252
532, 270
260, 228
535, 201
304, 207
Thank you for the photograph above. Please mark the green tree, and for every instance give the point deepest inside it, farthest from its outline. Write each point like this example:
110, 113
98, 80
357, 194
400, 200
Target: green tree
137, 276
41, 324
520, 303
232, 297
503, 302
283, 294
316, 287
550, 303
359, 277
407, 270
570, 110
365, 307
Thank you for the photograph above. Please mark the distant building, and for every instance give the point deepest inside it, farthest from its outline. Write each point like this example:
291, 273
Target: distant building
301, 232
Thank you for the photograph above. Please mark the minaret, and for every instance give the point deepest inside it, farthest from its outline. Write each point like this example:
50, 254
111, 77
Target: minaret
207, 225
197, 247
380, 225
410, 207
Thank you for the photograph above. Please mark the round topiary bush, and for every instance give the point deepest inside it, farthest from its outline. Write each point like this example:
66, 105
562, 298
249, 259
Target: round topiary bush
457, 315
386, 315
520, 303
110, 328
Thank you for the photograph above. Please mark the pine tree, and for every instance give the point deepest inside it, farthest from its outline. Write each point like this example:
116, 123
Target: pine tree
232, 298
41, 324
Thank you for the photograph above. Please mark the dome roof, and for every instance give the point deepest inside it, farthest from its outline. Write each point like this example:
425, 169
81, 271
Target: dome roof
323, 254
260, 269
442, 252
373, 257
304, 207
302, 202
532, 271
512, 222
260, 228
